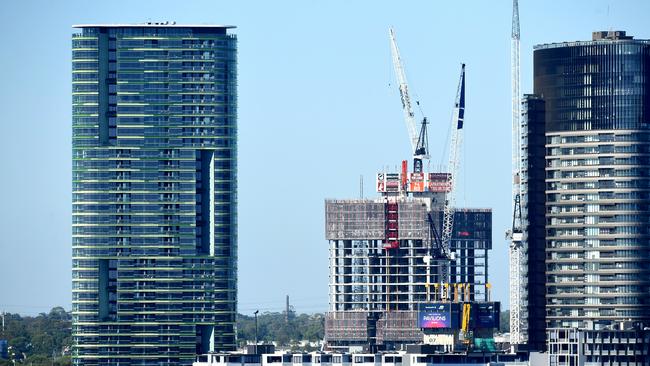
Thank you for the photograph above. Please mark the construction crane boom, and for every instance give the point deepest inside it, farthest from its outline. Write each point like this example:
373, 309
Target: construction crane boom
458, 118
420, 146
409, 116
516, 105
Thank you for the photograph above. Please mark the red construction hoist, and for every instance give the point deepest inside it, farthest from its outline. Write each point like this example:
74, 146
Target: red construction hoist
392, 225
391, 240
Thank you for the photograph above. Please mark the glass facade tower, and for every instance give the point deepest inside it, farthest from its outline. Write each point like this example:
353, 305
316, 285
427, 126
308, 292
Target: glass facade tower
154, 150
533, 219
596, 175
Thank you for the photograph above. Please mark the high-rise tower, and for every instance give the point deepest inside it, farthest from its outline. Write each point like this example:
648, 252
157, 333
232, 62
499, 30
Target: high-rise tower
154, 192
593, 101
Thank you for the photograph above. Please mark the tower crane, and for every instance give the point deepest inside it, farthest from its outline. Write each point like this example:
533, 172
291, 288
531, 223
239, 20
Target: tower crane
515, 234
419, 144
458, 119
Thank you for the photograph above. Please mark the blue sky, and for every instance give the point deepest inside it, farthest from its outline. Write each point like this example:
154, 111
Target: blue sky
318, 107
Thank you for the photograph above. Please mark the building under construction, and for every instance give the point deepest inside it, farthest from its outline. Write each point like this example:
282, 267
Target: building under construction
403, 265
374, 291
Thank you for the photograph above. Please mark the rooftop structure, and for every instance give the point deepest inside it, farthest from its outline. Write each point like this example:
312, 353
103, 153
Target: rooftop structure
171, 24
598, 37
609, 35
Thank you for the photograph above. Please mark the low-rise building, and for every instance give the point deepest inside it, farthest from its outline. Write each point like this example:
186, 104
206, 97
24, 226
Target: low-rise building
581, 347
402, 358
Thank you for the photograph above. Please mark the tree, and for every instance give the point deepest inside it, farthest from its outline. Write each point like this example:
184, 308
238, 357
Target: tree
504, 321
274, 327
41, 338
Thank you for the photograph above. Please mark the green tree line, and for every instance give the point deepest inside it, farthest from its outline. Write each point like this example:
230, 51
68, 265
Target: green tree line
38, 340
280, 328
504, 318
46, 339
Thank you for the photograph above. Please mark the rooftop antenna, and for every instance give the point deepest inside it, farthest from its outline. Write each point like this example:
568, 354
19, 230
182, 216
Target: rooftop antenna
286, 319
361, 186
609, 19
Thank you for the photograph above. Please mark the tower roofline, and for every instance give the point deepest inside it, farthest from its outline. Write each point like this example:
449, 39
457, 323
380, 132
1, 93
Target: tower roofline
166, 24
597, 37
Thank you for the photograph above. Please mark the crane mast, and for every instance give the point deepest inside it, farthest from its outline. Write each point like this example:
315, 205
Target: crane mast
454, 155
515, 234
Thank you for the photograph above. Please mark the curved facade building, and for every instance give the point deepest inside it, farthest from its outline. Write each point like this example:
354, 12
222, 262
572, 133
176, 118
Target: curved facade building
154, 193
596, 98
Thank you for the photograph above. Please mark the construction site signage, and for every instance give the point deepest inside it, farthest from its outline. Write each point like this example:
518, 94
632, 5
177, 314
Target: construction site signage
413, 182
416, 182
435, 316
438, 182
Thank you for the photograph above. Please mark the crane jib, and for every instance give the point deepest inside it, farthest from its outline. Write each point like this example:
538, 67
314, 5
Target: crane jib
461, 100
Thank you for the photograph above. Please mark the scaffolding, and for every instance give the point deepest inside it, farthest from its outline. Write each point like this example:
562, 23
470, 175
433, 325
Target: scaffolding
347, 326
399, 327
366, 219
354, 219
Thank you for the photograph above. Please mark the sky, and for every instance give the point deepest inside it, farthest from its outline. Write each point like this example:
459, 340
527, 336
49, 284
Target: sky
318, 109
